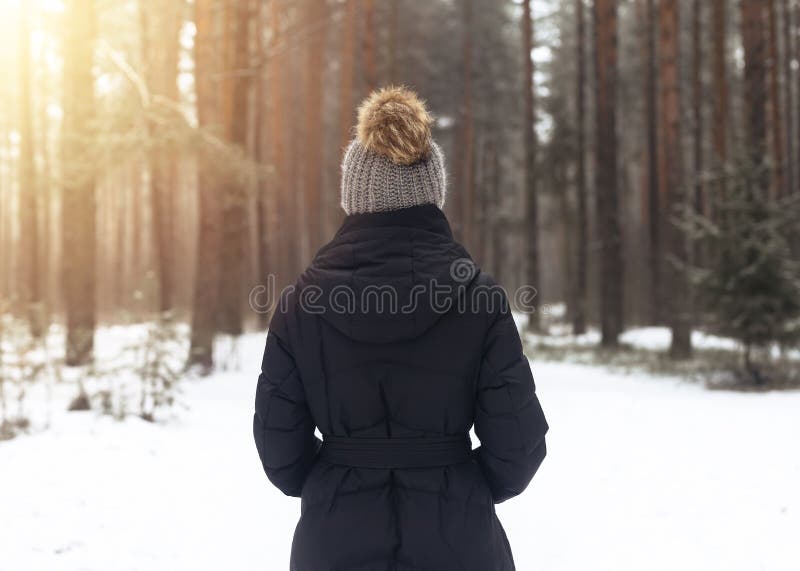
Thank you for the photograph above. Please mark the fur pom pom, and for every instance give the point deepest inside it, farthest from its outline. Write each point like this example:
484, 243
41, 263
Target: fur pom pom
394, 122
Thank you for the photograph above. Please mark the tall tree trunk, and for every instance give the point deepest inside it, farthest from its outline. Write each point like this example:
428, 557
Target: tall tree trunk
720, 89
78, 167
394, 33
697, 112
346, 104
5, 202
560, 180
582, 258
138, 256
608, 223
797, 89
369, 47
530, 149
778, 140
346, 88
672, 176
316, 20
789, 109
491, 193
653, 175
6, 271
234, 204
207, 267
120, 217
49, 264
467, 143
277, 147
29, 282
498, 230
264, 203
160, 27
753, 40
294, 179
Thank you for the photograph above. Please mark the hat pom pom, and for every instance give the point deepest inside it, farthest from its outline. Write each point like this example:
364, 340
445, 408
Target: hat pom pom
395, 123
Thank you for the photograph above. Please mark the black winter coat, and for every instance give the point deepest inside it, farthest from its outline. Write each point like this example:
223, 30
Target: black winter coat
394, 392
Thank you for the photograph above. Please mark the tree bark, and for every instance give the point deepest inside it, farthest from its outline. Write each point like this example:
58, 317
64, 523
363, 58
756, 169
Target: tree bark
778, 136
49, 264
467, 145
346, 88
346, 91
608, 223
653, 174
489, 195
370, 57
264, 197
160, 27
498, 230
394, 33
78, 168
753, 40
530, 149
234, 204
788, 96
6, 183
207, 271
720, 89
582, 258
672, 176
697, 115
796, 189
29, 282
277, 146
317, 22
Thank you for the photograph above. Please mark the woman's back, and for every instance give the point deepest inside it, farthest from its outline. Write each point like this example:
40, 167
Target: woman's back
393, 344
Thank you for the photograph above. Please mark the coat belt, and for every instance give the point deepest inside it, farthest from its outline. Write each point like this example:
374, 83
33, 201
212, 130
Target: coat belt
396, 452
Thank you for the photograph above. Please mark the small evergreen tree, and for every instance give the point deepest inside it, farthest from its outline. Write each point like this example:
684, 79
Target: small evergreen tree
751, 285
23, 364
6, 427
158, 369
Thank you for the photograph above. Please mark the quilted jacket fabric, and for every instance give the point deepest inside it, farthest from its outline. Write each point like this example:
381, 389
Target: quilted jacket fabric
418, 366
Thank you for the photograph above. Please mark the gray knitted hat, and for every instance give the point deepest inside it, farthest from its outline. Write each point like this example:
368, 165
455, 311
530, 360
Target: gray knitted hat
393, 163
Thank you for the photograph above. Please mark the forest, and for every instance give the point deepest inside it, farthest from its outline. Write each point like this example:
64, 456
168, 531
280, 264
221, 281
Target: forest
175, 163
168, 167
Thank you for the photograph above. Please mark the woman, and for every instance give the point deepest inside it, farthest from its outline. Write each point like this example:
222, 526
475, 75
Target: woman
393, 345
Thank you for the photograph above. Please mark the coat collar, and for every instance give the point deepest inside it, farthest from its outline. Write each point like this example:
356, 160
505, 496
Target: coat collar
422, 217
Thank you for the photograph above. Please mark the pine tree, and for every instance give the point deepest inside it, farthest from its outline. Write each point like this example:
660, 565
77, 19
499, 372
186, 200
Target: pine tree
672, 182
160, 23
530, 144
316, 14
606, 171
653, 173
78, 160
774, 98
234, 203
29, 207
755, 82
207, 275
751, 288
720, 87
582, 258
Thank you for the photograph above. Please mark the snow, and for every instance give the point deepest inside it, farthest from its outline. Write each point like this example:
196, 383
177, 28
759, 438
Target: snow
646, 338
643, 472
659, 339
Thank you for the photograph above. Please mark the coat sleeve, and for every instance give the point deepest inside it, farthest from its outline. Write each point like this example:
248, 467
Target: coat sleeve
509, 421
282, 424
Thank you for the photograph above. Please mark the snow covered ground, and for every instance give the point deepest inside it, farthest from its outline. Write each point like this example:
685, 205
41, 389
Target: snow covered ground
644, 473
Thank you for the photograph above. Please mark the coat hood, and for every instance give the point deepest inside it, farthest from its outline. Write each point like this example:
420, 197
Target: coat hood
387, 276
